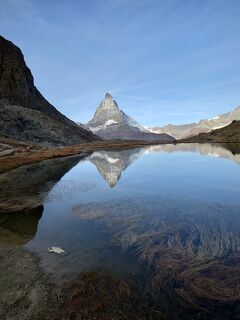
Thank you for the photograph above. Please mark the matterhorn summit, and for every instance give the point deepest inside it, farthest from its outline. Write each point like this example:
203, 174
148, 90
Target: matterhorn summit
108, 113
110, 122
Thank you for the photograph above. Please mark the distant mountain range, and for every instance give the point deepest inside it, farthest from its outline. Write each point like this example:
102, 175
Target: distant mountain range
109, 122
25, 114
203, 126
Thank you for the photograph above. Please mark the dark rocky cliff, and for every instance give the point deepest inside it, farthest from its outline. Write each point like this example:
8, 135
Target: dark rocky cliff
25, 113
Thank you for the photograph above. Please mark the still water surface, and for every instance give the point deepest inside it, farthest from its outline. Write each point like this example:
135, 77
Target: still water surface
168, 214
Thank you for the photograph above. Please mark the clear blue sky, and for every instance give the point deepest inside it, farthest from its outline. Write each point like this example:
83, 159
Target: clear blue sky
164, 61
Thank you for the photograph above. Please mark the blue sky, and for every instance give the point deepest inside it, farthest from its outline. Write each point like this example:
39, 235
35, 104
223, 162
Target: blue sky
164, 61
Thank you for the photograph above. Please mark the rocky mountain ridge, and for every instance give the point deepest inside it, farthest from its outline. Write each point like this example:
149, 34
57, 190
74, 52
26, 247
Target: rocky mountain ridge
25, 114
203, 126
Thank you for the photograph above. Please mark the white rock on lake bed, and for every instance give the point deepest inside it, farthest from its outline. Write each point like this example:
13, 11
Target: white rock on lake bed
56, 250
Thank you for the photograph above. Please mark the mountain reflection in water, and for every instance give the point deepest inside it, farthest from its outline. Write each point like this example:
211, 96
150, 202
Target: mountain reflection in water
26, 187
192, 247
111, 164
168, 219
19, 228
22, 192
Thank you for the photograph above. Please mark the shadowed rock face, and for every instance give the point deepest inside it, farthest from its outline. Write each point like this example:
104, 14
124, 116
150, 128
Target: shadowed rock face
25, 113
18, 228
109, 122
203, 126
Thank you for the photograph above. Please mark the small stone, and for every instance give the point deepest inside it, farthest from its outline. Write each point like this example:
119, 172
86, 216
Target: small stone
57, 250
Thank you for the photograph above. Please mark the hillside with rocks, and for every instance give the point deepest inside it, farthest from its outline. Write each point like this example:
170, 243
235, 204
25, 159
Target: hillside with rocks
228, 134
25, 114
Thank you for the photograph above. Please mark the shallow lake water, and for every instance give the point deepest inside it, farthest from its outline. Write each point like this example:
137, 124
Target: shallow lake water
167, 214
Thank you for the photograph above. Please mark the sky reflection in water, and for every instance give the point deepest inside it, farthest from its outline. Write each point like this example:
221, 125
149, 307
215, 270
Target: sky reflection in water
181, 182
173, 209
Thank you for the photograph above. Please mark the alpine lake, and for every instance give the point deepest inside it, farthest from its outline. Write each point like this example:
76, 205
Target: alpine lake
144, 233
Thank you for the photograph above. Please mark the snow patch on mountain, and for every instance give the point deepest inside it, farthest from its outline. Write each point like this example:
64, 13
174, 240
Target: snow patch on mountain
215, 118
220, 126
110, 122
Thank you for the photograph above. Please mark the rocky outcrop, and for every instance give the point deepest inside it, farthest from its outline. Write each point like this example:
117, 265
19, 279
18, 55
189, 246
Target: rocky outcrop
25, 113
203, 126
110, 122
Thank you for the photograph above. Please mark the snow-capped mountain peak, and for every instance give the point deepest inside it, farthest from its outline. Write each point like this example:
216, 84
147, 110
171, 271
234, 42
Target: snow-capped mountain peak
110, 122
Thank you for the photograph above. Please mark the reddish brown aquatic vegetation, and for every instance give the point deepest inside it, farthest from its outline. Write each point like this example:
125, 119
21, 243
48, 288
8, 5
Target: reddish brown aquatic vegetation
100, 295
194, 256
